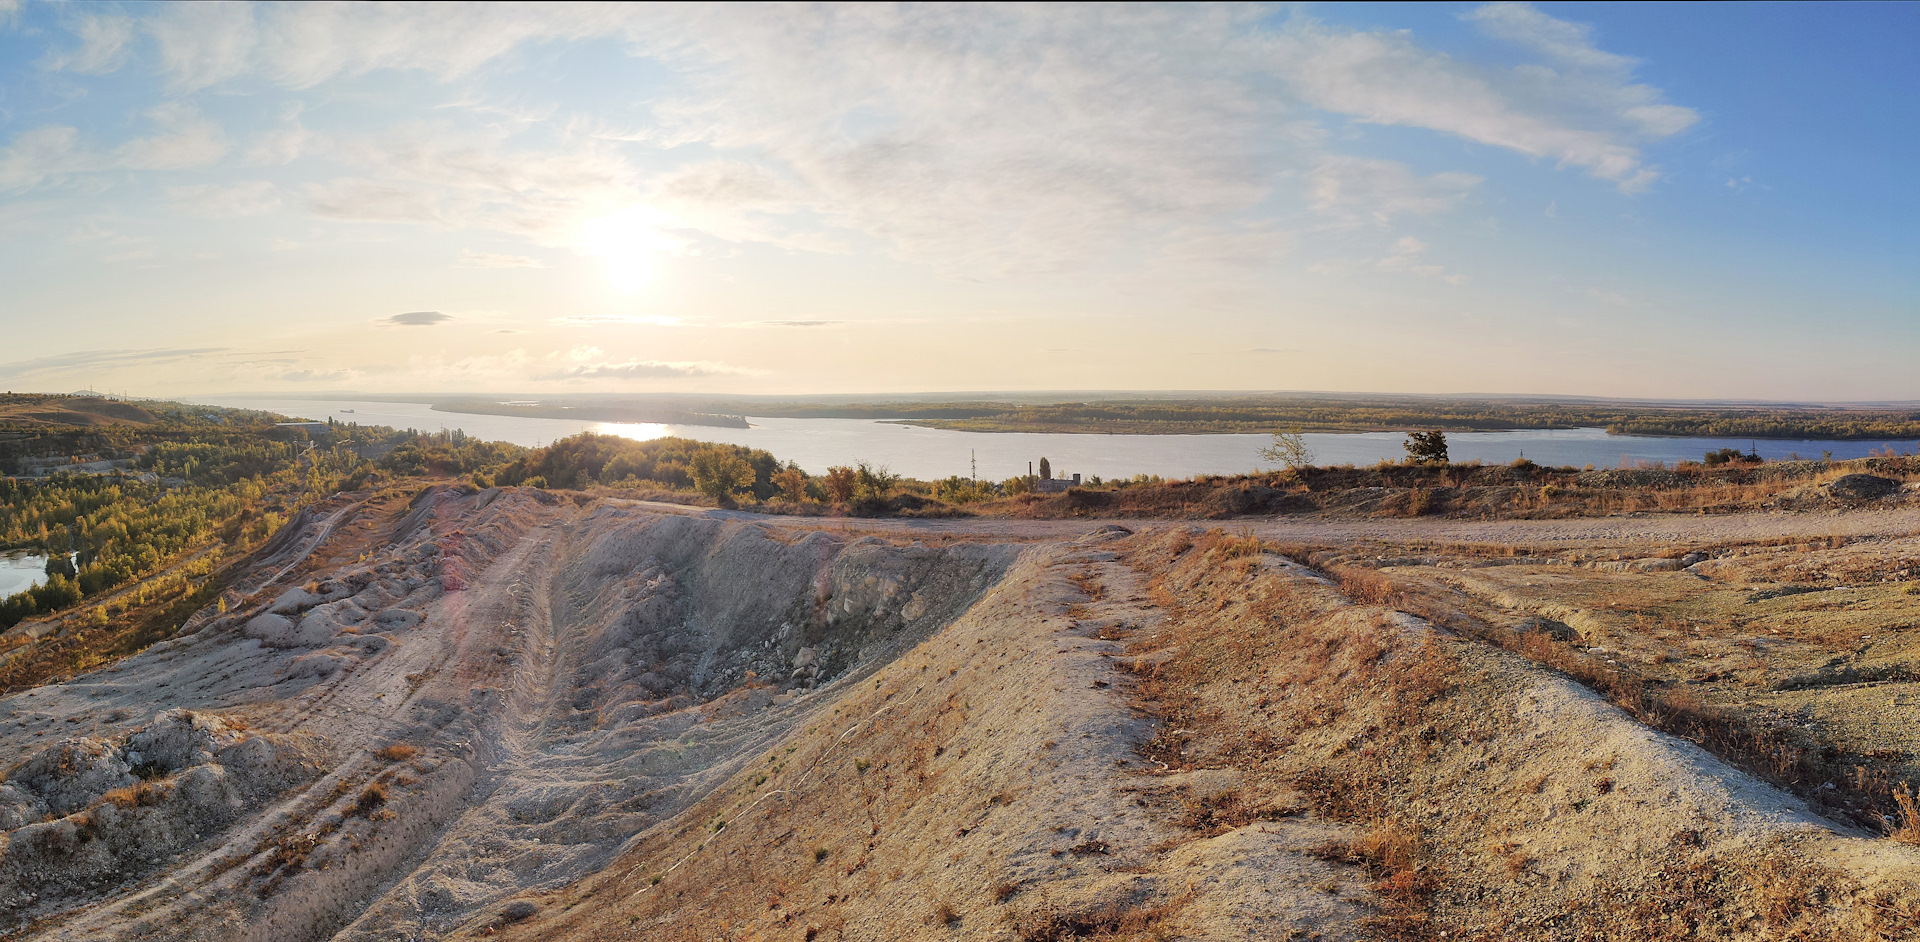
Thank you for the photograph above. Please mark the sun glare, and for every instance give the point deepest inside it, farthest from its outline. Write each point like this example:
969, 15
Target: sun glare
638, 431
628, 242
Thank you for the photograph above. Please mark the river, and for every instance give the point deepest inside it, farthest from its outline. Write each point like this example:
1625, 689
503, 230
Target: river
816, 444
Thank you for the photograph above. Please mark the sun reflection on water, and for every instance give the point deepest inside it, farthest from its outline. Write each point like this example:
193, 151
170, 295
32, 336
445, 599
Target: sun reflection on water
638, 431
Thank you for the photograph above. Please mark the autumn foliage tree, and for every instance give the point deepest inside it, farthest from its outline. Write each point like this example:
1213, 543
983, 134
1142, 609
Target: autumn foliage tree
839, 484
791, 483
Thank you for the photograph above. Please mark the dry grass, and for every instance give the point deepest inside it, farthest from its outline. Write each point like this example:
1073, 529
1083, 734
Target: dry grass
1906, 829
1848, 787
1047, 922
396, 752
944, 914
143, 795
1404, 879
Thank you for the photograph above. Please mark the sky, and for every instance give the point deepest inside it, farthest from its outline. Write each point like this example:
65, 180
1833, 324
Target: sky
1636, 200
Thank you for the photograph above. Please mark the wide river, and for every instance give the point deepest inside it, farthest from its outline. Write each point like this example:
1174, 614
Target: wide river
927, 454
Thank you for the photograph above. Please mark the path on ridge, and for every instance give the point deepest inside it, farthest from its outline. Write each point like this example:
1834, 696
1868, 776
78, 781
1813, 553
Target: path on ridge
1625, 529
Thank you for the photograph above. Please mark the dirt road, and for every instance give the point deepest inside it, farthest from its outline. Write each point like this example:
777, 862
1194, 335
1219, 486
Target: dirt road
1659, 529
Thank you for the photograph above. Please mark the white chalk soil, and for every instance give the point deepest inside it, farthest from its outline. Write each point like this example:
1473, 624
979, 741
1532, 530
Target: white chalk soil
507, 713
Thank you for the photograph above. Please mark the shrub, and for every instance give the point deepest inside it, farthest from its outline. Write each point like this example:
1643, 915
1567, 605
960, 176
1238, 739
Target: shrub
397, 752
1427, 447
839, 485
720, 475
372, 797
873, 483
791, 483
1289, 450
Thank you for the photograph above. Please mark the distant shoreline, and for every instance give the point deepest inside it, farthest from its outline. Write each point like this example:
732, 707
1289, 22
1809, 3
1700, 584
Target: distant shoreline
594, 413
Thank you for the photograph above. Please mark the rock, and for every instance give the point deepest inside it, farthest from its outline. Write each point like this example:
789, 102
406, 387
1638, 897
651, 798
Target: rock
396, 619
176, 737
318, 665
292, 601
1862, 487
19, 807
72, 775
274, 631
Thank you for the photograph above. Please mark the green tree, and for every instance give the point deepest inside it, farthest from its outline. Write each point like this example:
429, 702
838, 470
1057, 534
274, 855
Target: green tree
1289, 449
1427, 447
873, 483
1046, 470
720, 474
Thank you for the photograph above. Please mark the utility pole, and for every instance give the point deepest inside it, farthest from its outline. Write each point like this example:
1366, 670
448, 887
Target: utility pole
973, 462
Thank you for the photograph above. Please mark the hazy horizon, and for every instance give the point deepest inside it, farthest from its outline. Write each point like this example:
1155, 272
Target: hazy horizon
1572, 200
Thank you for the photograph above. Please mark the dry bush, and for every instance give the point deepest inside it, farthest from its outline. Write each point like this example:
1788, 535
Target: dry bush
1404, 880
371, 798
143, 795
1118, 921
1088, 583
397, 752
944, 914
1906, 829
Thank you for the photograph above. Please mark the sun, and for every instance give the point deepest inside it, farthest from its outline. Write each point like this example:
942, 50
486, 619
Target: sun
628, 242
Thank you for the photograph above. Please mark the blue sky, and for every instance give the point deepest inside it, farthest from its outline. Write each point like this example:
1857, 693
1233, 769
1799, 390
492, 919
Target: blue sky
1701, 201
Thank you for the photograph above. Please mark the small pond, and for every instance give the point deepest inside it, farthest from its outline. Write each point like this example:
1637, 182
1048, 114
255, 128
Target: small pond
21, 570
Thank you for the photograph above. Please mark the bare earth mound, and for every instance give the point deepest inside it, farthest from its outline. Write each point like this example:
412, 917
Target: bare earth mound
500, 713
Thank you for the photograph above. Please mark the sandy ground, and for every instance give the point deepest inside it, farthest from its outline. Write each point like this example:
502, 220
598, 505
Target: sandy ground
506, 713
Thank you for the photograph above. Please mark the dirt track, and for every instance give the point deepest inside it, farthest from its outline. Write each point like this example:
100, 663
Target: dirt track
1659, 529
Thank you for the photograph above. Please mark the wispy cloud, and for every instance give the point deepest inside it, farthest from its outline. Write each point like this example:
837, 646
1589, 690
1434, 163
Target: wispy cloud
1409, 256
640, 369
1356, 189
1580, 107
471, 259
981, 140
417, 319
104, 44
650, 320
238, 199
49, 154
94, 360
